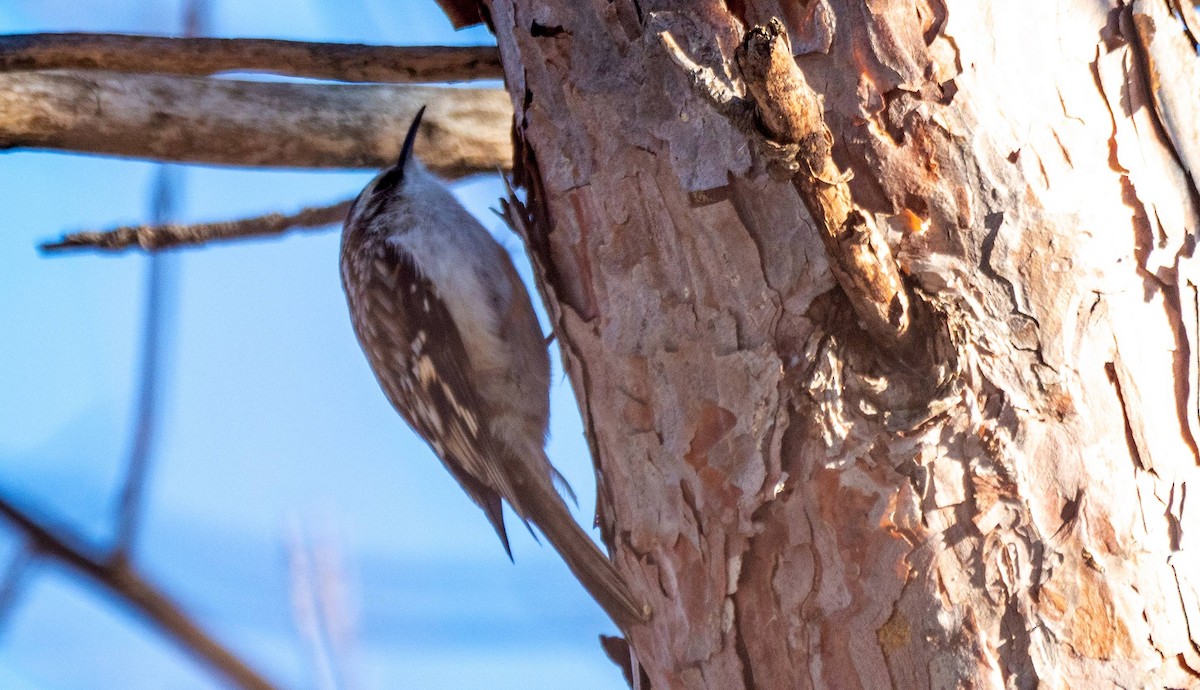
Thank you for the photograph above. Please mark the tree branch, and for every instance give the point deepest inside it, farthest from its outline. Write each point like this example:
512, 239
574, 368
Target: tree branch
155, 237
229, 122
791, 132
205, 56
160, 296
116, 576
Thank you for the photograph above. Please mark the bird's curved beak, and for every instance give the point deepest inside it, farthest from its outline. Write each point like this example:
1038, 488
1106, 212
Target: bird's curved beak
406, 151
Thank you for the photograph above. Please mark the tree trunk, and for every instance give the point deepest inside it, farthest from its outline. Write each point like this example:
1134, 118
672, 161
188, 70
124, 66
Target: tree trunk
1004, 503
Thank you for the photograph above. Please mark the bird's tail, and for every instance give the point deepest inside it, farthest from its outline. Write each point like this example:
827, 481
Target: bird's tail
542, 506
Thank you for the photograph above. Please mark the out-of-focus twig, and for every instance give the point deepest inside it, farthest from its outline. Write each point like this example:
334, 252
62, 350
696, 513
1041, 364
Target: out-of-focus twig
155, 237
206, 56
159, 293
115, 575
13, 579
321, 606
112, 569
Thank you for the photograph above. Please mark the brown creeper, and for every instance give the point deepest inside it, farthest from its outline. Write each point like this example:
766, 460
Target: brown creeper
451, 335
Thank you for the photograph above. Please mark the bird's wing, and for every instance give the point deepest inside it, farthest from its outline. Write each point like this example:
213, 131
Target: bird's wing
423, 367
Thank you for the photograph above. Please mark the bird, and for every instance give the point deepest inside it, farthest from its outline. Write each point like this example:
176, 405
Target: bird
450, 333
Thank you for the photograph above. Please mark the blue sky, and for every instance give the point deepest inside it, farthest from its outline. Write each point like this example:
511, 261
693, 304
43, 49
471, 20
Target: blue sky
272, 425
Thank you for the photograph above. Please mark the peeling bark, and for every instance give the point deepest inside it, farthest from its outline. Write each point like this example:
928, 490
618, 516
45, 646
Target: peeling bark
800, 508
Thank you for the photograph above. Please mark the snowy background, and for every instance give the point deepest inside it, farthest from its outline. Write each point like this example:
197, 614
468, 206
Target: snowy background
274, 439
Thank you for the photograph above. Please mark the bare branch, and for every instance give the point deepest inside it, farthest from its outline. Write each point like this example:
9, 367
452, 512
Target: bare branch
205, 56
116, 576
789, 109
229, 122
791, 132
159, 299
155, 237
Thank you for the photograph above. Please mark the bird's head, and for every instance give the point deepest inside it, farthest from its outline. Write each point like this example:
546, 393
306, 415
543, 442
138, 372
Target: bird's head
390, 180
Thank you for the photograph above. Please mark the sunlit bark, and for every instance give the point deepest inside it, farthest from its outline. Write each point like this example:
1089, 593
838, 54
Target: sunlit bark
802, 504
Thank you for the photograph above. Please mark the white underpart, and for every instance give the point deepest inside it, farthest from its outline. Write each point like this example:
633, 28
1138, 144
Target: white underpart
472, 284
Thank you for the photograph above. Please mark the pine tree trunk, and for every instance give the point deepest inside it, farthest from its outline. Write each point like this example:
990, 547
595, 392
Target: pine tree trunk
1004, 504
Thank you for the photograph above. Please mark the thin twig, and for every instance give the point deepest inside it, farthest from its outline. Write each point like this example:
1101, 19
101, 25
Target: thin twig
156, 237
119, 579
13, 580
233, 122
113, 571
158, 287
320, 606
205, 56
